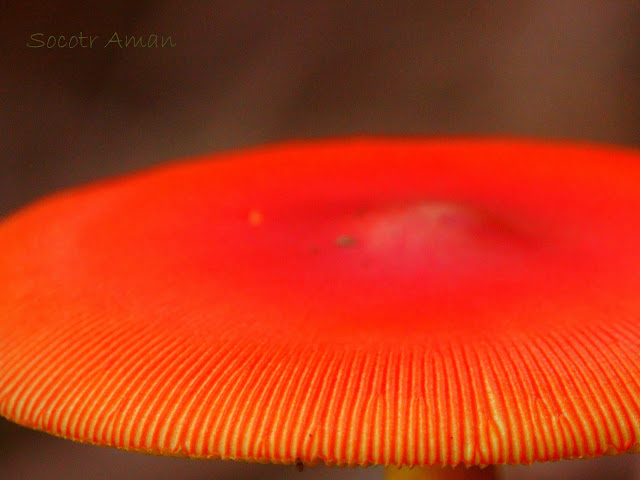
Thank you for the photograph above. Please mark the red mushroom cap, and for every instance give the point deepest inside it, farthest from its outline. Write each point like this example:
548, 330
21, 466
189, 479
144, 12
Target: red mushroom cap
365, 301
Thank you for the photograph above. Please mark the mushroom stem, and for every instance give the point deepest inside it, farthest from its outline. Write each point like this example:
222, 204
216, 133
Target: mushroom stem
437, 472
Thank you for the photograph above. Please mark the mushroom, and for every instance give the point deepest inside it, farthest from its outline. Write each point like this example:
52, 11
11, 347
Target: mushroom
399, 302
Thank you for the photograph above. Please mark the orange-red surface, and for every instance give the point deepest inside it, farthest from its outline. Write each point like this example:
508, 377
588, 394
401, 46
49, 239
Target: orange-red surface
350, 301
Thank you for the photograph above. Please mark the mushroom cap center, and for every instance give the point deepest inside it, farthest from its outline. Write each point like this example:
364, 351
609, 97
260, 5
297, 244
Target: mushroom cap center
439, 234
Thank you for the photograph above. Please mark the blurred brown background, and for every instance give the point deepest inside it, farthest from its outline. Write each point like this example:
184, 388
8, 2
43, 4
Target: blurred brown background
244, 73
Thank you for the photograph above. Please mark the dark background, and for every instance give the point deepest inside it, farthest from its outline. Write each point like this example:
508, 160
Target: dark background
244, 73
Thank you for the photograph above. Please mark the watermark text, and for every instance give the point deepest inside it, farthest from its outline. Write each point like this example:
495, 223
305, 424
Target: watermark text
115, 40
